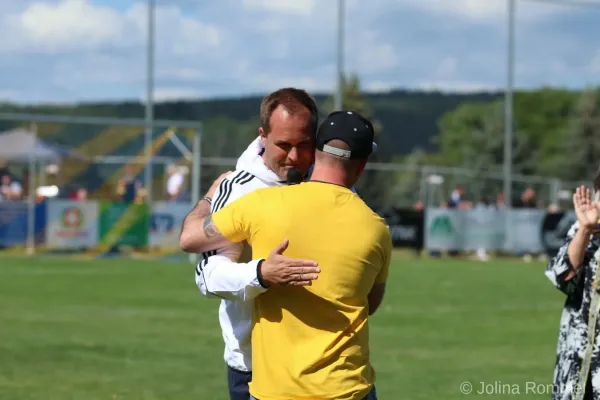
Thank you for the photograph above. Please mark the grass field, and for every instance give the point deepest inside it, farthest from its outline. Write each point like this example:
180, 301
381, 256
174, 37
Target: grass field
125, 329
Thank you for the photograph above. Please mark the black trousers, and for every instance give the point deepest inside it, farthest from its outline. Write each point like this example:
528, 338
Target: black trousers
238, 384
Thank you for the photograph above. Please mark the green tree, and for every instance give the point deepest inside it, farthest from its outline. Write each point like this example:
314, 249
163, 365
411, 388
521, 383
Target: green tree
472, 136
582, 139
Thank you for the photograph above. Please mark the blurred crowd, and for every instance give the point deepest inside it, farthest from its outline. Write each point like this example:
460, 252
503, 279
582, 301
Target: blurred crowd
459, 200
128, 188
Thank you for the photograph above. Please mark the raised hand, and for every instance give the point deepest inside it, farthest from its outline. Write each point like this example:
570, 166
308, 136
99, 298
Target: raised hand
585, 208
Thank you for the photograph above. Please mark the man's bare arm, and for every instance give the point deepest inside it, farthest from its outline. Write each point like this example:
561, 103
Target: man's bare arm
188, 238
201, 236
192, 239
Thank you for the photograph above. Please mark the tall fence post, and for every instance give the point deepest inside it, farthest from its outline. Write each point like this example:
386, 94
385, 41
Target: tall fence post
32, 170
196, 175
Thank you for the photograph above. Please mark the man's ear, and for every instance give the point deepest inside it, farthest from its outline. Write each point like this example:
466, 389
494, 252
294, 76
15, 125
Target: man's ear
263, 136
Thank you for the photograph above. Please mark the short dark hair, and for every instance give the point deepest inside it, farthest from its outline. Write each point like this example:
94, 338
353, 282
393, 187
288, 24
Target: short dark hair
292, 100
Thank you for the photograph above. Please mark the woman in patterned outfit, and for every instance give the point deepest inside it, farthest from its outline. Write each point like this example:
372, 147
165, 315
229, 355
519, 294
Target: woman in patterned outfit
574, 271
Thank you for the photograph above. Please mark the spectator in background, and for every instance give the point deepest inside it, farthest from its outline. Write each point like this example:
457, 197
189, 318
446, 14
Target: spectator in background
455, 201
500, 203
9, 189
483, 205
527, 199
419, 206
456, 197
79, 194
175, 184
129, 186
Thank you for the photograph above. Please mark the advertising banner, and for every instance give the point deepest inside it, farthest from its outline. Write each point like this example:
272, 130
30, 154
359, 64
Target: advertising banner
14, 226
406, 227
72, 224
485, 228
165, 224
123, 224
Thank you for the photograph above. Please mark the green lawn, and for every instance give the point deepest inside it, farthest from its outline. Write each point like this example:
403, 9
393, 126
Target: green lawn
125, 329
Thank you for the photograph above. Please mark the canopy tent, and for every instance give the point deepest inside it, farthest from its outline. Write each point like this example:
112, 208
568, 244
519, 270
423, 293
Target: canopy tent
16, 146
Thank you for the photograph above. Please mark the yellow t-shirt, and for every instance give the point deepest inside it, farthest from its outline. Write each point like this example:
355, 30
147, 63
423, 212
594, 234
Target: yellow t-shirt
312, 342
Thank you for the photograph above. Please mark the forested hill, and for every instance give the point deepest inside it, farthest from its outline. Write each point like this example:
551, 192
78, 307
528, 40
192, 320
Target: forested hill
408, 118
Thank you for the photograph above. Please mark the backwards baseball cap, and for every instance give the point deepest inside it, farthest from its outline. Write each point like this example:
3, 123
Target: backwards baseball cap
351, 128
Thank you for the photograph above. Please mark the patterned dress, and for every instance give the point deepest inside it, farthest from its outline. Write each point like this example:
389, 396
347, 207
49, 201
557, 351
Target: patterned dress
578, 351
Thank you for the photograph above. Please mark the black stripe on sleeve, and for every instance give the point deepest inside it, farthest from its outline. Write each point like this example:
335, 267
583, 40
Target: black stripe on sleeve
237, 180
225, 190
200, 272
222, 193
246, 180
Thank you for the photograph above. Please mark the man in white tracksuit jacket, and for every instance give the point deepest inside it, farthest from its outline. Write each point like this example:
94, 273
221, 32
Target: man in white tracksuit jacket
286, 141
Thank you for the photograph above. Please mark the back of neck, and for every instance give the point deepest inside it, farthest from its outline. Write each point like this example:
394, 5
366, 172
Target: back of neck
329, 175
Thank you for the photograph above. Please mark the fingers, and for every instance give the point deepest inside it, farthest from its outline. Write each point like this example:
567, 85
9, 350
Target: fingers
281, 248
303, 279
581, 197
301, 283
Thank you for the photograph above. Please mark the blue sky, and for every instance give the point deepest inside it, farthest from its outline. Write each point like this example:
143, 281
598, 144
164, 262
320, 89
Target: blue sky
84, 50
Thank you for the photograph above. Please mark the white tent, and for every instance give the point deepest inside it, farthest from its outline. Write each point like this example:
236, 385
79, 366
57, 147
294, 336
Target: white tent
16, 145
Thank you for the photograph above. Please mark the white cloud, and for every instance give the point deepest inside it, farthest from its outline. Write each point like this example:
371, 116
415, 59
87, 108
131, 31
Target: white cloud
594, 64
267, 83
380, 86
70, 24
6, 95
169, 93
80, 25
294, 7
369, 53
456, 86
486, 10
448, 67
86, 49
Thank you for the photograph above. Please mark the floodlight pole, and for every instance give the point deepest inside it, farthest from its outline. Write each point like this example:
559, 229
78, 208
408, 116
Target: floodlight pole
339, 97
149, 100
508, 119
32, 193
196, 176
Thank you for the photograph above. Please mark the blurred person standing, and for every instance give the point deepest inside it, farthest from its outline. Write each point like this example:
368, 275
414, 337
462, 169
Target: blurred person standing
312, 342
456, 197
175, 184
483, 205
527, 199
129, 186
574, 271
10, 189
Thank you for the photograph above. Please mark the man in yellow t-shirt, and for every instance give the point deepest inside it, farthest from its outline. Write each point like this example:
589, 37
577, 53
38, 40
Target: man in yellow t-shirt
312, 342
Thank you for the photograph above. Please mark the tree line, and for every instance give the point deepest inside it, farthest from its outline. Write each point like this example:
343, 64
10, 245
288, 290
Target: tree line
556, 131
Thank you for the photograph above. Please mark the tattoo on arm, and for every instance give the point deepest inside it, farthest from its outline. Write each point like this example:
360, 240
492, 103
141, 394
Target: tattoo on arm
209, 227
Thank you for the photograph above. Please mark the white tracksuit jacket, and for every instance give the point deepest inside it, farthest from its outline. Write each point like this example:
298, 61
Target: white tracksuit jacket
234, 282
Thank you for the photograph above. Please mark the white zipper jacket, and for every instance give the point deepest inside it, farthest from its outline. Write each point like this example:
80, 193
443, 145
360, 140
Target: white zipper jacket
233, 281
